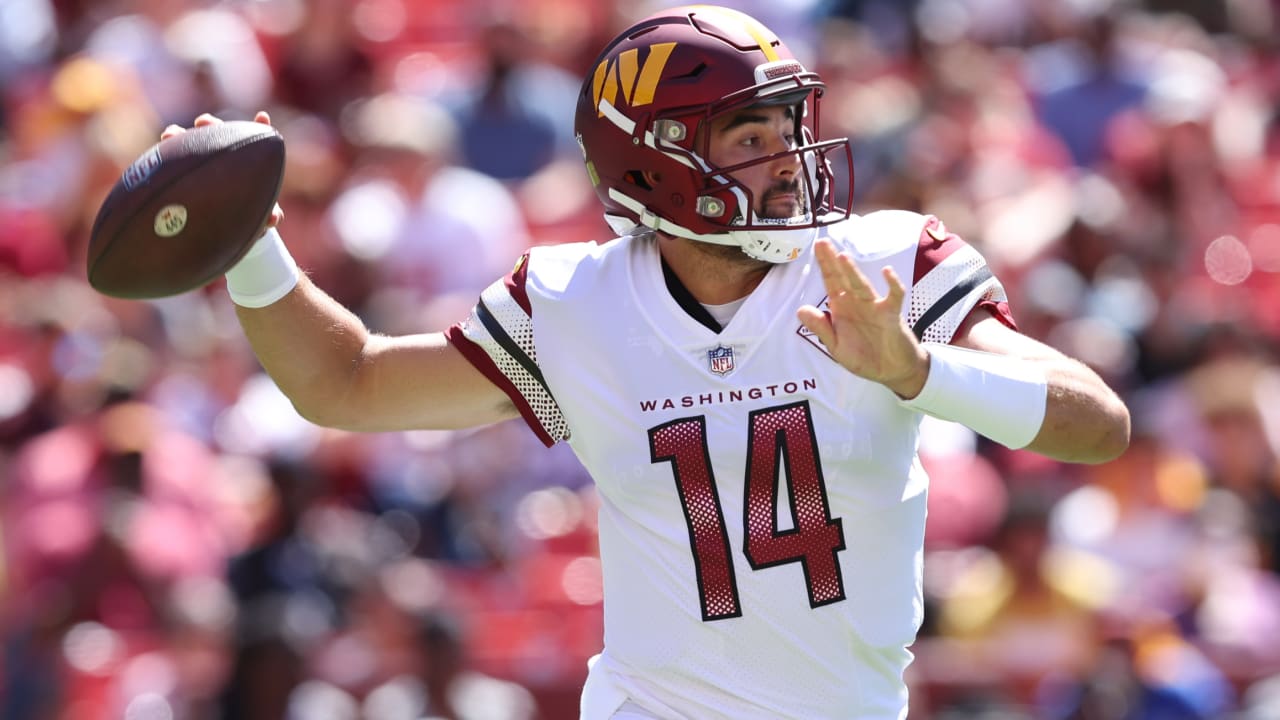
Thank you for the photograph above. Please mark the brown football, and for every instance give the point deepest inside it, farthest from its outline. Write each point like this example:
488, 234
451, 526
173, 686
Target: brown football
186, 210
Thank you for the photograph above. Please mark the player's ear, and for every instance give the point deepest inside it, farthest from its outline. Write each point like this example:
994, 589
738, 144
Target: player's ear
651, 178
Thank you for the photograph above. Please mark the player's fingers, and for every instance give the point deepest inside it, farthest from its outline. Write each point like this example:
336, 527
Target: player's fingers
171, 131
846, 287
825, 253
207, 119
276, 216
818, 323
896, 289
262, 117
829, 265
853, 279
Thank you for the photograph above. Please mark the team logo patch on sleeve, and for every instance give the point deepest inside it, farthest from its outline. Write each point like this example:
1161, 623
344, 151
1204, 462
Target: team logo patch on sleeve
720, 360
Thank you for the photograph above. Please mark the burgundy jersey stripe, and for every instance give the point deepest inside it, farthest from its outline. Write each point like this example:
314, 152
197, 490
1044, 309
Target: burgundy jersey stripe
482, 362
931, 250
999, 309
515, 284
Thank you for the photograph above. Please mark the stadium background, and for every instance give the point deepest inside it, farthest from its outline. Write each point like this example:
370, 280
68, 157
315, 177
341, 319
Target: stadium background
177, 543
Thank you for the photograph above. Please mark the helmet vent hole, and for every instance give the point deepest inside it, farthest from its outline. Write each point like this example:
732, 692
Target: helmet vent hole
637, 178
692, 74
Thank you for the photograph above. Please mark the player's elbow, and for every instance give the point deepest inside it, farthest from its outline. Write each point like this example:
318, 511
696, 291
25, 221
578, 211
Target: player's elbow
329, 404
336, 395
1113, 443
320, 412
1110, 438
1100, 436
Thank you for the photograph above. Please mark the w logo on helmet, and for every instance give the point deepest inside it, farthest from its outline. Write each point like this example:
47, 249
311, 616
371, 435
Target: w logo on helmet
638, 82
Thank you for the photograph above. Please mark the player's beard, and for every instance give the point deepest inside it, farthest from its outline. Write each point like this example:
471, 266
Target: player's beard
730, 253
782, 187
735, 254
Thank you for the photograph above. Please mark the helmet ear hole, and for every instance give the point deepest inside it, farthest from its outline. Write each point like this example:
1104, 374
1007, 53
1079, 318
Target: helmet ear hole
648, 179
638, 179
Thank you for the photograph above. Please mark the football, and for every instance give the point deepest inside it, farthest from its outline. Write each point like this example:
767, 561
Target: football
186, 210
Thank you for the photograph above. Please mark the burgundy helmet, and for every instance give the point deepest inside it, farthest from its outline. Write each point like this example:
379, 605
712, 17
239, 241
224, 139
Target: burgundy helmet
647, 107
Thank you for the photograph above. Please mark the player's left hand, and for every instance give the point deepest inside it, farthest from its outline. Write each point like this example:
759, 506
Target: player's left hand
209, 119
863, 331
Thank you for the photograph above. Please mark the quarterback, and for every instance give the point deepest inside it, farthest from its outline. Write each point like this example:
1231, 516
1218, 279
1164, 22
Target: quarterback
743, 371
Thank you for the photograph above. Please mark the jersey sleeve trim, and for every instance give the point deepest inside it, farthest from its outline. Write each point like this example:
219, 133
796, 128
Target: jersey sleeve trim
482, 362
500, 336
497, 338
951, 279
953, 296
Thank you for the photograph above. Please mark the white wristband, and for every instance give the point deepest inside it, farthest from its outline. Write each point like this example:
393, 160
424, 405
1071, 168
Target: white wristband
998, 396
264, 275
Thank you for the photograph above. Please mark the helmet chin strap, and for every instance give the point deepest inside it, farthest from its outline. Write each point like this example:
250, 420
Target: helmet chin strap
622, 225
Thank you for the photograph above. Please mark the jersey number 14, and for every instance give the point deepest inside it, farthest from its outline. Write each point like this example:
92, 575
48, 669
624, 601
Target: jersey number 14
778, 438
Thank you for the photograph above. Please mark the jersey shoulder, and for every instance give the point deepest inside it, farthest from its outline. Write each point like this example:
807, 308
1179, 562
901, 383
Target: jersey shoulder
555, 272
946, 277
498, 336
879, 234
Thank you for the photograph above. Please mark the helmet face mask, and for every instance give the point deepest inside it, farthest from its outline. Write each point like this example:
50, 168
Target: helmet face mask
645, 119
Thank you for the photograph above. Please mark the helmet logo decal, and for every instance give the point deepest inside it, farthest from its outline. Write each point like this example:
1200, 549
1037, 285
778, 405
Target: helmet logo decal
611, 74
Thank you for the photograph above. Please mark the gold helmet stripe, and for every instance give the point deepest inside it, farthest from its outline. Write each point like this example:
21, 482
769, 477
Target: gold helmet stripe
750, 24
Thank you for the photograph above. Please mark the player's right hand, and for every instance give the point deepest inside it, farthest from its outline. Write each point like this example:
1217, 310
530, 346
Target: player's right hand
207, 119
862, 330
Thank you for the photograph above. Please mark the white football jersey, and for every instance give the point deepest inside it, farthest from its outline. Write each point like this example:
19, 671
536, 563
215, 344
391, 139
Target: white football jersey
762, 509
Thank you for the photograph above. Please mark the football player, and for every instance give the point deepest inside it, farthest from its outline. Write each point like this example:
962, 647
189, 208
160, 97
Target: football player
743, 371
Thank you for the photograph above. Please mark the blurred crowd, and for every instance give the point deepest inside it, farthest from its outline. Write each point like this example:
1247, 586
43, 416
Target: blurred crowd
175, 542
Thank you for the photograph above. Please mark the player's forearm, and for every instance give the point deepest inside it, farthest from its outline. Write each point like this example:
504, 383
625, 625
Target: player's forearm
311, 346
1077, 418
1029, 396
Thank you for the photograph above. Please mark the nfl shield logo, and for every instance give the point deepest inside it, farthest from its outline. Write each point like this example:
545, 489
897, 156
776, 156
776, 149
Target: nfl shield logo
721, 360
